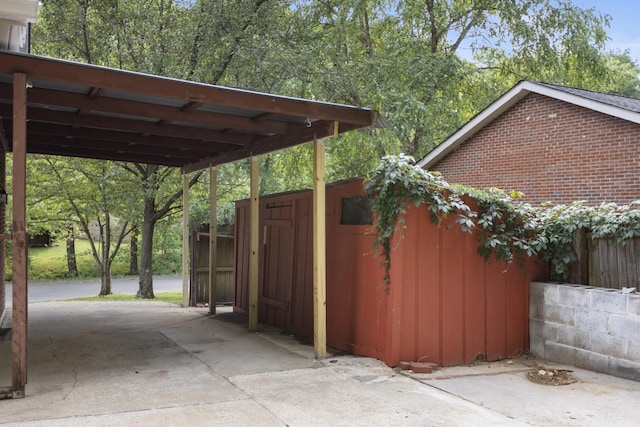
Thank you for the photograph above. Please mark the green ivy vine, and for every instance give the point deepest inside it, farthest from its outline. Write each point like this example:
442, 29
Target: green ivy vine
508, 228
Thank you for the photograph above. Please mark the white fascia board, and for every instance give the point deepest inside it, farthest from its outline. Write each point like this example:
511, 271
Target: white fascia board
19, 12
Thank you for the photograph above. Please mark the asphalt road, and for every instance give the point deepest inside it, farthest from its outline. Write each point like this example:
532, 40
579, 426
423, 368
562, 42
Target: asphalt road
87, 288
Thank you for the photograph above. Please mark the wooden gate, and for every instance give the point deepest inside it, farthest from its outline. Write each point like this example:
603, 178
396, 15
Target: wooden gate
277, 264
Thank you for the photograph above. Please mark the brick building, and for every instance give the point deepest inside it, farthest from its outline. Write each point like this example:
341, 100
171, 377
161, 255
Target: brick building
553, 143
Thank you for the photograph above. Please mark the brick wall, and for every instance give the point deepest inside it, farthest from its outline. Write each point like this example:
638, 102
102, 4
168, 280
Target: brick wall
551, 151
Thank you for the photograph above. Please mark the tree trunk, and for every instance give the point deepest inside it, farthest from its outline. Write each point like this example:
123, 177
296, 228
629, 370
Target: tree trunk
105, 265
146, 251
72, 264
133, 252
105, 280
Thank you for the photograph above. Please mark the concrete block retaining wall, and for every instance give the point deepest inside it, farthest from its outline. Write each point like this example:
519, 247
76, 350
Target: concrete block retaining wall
591, 328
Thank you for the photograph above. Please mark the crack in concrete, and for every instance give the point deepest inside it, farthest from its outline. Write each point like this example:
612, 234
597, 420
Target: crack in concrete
74, 368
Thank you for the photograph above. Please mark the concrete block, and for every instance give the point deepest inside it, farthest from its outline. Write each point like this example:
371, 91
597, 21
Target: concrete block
536, 347
612, 302
560, 353
633, 304
625, 369
586, 359
609, 345
625, 326
633, 351
550, 293
536, 292
535, 310
573, 296
544, 330
591, 321
558, 314
573, 337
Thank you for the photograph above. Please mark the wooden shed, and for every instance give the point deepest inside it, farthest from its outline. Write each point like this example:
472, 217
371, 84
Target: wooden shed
445, 303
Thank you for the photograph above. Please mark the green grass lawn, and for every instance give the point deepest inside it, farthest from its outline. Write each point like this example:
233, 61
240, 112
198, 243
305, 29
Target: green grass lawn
170, 297
50, 263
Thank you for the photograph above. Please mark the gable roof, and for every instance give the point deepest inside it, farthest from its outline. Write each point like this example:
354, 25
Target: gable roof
622, 107
82, 110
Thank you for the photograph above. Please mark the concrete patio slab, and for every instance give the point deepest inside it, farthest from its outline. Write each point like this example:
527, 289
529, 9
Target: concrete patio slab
150, 363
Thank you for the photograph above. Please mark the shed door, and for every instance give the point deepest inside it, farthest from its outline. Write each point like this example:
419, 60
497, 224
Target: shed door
277, 272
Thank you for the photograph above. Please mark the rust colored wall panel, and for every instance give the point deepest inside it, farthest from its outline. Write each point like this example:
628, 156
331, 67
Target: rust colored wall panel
452, 278
428, 321
446, 305
301, 317
496, 315
475, 320
517, 311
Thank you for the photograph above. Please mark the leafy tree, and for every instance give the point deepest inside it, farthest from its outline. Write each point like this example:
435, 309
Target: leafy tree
95, 191
162, 192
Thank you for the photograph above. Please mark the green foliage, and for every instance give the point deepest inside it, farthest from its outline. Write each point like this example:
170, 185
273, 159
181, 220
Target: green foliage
507, 228
50, 263
606, 221
395, 185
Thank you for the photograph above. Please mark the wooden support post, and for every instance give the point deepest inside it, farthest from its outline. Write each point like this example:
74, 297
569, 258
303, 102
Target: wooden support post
185, 241
319, 252
213, 239
253, 246
19, 234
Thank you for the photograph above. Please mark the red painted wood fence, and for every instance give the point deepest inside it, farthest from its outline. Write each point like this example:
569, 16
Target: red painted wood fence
445, 304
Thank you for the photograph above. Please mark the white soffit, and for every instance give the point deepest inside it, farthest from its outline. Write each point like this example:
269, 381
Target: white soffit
19, 12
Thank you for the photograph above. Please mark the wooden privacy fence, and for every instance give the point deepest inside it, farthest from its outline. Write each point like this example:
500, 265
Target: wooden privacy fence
199, 278
613, 265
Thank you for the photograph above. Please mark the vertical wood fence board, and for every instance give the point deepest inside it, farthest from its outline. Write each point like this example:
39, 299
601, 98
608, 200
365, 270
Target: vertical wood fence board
301, 311
428, 321
612, 265
517, 310
475, 321
496, 311
409, 285
452, 295
225, 268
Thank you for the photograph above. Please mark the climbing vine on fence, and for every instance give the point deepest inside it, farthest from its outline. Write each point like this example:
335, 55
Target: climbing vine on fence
507, 227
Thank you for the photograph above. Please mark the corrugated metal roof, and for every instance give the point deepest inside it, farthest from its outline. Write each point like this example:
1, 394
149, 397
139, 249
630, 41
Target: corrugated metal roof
83, 110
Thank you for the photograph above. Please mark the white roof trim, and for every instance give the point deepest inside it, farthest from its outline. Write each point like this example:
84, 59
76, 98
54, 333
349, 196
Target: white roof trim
505, 102
19, 12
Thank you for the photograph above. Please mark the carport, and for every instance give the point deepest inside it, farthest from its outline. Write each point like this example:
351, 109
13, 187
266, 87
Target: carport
56, 107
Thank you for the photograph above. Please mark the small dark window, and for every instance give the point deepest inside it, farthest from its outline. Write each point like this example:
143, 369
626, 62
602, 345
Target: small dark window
356, 211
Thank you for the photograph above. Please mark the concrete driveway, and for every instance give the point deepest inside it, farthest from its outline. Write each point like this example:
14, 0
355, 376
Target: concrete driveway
150, 363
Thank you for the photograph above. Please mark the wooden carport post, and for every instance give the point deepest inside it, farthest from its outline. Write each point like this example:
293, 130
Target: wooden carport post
213, 239
254, 208
19, 237
185, 240
320, 248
